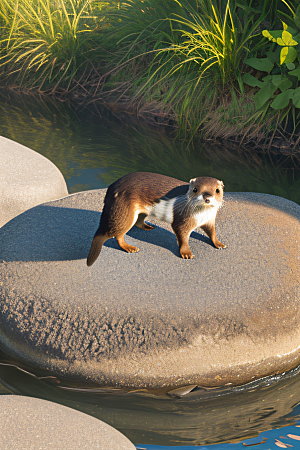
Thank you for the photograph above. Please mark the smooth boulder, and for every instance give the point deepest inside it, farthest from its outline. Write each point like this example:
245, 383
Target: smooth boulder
152, 319
35, 424
27, 179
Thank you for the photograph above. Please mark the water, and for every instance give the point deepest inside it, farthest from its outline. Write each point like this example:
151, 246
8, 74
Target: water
92, 149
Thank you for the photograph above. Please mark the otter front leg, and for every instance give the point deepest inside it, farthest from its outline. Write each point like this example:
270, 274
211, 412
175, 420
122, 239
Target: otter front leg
183, 242
210, 230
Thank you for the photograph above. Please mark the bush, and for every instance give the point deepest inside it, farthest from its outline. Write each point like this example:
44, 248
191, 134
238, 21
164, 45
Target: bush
277, 73
201, 57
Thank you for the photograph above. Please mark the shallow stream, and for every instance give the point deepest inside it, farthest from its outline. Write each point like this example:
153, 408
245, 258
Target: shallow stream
93, 148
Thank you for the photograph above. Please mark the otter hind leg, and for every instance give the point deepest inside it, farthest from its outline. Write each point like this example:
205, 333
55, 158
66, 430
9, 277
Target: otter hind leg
141, 224
127, 224
96, 247
127, 247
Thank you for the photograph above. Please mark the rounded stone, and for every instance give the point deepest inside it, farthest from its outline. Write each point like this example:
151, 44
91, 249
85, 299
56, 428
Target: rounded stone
35, 424
27, 179
152, 319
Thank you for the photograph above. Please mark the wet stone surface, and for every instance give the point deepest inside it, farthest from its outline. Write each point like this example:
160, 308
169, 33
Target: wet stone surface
152, 319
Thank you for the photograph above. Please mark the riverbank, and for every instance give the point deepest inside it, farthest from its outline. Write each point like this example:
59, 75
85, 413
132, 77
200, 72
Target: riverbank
177, 64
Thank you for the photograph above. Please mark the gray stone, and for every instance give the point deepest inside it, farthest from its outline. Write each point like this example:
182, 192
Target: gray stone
152, 319
31, 423
27, 179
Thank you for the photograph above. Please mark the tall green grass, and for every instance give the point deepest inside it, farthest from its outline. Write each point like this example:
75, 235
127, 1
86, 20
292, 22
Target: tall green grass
139, 29
46, 44
179, 59
211, 41
200, 59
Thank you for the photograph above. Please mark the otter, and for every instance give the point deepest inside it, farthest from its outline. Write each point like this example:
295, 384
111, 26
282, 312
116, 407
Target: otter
185, 206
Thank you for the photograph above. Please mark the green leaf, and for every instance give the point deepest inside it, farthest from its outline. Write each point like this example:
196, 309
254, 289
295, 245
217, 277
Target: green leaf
282, 100
283, 83
264, 94
286, 39
263, 64
251, 80
274, 56
287, 55
290, 66
296, 97
295, 73
267, 78
292, 55
276, 80
297, 17
293, 31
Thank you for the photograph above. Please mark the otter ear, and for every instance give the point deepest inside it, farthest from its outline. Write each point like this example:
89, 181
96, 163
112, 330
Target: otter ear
222, 184
192, 180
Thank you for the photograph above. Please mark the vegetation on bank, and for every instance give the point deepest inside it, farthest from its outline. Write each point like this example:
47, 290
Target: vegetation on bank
222, 69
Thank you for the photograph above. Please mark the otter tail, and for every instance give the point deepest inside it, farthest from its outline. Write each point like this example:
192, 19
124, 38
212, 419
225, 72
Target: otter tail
96, 247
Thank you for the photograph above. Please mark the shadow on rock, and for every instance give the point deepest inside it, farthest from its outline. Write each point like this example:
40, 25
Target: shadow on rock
47, 233
162, 238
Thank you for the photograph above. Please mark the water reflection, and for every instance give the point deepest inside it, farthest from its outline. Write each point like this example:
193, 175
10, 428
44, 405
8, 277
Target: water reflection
154, 418
92, 150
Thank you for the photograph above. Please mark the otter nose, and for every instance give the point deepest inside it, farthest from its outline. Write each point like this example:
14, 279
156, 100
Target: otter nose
206, 197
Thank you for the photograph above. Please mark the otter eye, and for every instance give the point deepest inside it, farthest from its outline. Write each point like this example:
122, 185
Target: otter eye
195, 190
218, 191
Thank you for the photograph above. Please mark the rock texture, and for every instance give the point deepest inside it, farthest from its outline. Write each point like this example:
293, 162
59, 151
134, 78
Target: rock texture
152, 319
31, 423
27, 179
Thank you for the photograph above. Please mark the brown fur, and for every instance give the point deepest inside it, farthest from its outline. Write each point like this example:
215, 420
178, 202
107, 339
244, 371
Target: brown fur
129, 200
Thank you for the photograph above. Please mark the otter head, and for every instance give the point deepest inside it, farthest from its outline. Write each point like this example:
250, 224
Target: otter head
206, 191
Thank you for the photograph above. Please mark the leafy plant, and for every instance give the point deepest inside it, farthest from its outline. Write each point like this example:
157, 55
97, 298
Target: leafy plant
194, 71
180, 59
212, 40
280, 86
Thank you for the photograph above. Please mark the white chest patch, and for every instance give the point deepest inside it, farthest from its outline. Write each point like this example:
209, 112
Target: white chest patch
205, 215
164, 210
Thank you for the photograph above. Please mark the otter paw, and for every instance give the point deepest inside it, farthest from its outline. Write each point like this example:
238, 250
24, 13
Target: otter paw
130, 248
220, 245
187, 255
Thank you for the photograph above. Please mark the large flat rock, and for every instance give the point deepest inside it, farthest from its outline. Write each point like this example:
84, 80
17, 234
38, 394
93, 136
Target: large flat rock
152, 319
31, 423
27, 179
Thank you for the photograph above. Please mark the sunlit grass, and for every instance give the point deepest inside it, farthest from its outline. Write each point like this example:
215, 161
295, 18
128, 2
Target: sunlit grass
181, 59
45, 43
210, 41
202, 58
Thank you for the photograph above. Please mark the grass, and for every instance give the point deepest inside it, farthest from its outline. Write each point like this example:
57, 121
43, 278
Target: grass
193, 73
181, 61
46, 44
